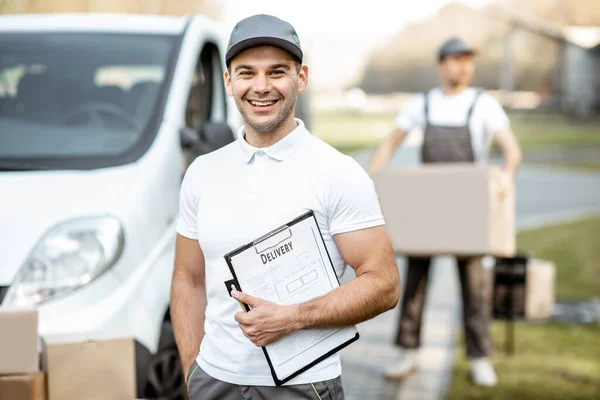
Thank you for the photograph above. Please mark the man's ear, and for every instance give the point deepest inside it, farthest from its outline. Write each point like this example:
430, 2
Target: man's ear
227, 79
439, 65
302, 79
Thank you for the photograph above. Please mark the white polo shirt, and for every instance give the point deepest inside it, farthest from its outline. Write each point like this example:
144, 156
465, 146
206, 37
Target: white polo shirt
488, 116
238, 193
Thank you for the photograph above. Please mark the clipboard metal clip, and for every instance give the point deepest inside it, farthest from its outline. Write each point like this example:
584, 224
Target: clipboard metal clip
272, 239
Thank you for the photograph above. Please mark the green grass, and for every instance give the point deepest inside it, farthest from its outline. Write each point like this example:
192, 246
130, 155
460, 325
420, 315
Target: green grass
350, 131
574, 165
575, 249
536, 132
543, 133
552, 361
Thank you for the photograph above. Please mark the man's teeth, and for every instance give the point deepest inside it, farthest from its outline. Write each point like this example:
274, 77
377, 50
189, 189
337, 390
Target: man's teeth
262, 103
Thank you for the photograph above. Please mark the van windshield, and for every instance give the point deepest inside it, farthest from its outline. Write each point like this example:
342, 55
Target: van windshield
67, 99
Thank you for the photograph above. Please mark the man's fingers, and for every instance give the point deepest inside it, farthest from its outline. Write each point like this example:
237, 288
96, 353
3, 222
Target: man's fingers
245, 298
259, 339
248, 329
242, 318
500, 193
252, 335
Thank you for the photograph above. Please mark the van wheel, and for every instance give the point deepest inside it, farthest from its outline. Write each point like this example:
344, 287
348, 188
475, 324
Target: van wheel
165, 376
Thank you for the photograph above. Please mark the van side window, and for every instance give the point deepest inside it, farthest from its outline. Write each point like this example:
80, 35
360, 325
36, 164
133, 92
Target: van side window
198, 109
207, 103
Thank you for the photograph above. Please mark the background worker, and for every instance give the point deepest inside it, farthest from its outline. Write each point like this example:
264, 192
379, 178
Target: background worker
459, 124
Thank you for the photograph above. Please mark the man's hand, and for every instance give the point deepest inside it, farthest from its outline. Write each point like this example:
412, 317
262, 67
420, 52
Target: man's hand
505, 184
266, 322
186, 365
508, 144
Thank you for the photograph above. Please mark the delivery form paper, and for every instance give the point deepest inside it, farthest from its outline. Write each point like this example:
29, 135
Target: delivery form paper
291, 265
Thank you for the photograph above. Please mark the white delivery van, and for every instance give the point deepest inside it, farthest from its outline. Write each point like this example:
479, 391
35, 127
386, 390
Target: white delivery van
99, 117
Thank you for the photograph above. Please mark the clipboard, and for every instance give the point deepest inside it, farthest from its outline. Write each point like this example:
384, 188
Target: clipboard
272, 240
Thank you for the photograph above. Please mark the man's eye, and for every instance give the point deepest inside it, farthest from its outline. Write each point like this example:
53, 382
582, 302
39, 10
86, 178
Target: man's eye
278, 72
245, 73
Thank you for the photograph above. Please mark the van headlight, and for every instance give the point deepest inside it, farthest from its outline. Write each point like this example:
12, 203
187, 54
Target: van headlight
67, 257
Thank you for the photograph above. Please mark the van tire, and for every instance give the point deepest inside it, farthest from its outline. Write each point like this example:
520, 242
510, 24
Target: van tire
164, 375
167, 337
143, 356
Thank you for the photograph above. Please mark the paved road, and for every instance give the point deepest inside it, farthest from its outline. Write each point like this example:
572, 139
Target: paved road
543, 196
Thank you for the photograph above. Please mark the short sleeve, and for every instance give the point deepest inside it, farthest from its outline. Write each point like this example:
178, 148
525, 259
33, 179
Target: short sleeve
352, 201
412, 114
188, 206
494, 116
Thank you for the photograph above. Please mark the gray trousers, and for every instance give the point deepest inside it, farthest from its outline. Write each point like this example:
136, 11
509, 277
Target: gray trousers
476, 287
202, 386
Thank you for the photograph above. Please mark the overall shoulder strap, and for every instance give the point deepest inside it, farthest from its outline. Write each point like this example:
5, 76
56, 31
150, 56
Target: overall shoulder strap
477, 94
426, 106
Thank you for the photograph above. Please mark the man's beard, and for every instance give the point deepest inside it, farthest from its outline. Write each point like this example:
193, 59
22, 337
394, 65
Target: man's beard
454, 83
279, 120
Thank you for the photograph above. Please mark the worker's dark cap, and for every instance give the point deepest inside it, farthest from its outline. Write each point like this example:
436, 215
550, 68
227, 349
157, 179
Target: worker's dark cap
263, 30
454, 46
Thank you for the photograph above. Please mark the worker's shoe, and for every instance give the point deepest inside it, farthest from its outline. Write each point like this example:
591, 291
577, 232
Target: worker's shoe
482, 372
404, 367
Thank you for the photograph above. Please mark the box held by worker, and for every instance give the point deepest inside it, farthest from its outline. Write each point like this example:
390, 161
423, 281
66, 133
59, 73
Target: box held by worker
450, 208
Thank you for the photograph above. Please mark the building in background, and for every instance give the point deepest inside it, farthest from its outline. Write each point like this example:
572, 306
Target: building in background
211, 8
580, 77
550, 48
575, 79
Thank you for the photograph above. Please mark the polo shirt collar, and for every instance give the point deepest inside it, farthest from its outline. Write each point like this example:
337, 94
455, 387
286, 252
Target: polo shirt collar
279, 150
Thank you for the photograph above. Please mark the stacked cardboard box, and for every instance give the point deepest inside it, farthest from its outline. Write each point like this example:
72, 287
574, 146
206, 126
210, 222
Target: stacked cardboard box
20, 376
526, 285
539, 289
80, 367
447, 209
74, 367
23, 387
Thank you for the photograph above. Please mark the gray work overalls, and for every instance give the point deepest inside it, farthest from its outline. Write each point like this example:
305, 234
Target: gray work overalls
447, 144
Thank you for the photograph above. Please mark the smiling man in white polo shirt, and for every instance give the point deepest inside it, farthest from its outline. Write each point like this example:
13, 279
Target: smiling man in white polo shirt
274, 172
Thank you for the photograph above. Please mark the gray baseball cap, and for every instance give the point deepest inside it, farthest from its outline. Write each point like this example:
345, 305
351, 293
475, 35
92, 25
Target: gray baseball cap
454, 46
263, 30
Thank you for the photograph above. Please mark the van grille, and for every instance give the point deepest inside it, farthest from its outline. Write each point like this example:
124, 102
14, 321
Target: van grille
3, 290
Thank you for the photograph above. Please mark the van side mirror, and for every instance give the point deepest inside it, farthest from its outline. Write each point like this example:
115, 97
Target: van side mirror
213, 136
189, 138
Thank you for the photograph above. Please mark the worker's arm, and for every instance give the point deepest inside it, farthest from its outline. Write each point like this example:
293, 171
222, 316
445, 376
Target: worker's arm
188, 299
376, 289
384, 152
511, 151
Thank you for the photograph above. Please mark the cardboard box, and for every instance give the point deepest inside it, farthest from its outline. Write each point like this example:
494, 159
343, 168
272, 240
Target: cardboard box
528, 285
18, 341
96, 369
23, 387
447, 209
539, 289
